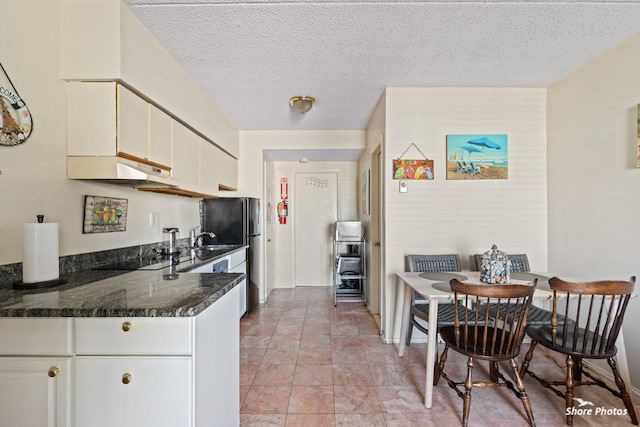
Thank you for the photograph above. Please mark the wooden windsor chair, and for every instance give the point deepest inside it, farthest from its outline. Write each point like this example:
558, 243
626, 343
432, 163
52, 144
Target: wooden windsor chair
495, 335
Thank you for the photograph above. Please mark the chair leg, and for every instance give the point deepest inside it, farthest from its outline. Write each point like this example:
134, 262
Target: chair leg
468, 385
623, 391
409, 331
569, 394
440, 365
577, 370
493, 372
522, 394
527, 359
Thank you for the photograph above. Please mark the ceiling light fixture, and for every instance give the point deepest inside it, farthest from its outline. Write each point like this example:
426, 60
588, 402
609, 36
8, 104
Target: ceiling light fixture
301, 104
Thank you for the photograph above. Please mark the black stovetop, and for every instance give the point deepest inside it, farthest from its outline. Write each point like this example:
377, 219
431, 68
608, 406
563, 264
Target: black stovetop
146, 263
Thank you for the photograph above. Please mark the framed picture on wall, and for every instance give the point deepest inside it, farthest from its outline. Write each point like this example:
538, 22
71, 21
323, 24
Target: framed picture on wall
104, 214
477, 156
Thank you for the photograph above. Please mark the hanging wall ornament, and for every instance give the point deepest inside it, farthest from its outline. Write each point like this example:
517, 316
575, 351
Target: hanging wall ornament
16, 122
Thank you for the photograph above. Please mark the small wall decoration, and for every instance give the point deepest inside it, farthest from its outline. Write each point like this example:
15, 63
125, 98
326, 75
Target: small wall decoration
412, 168
104, 214
364, 193
478, 156
283, 206
16, 123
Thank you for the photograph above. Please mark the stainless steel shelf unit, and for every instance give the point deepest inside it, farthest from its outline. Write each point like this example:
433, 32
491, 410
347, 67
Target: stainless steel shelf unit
349, 262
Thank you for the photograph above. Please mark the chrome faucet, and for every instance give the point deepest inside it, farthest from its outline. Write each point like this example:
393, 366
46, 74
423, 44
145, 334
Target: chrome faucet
193, 238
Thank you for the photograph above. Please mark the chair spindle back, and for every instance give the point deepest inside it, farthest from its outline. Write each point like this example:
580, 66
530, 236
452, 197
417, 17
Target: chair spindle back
598, 309
499, 330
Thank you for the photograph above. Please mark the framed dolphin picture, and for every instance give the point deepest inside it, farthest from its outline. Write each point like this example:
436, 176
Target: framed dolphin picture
477, 156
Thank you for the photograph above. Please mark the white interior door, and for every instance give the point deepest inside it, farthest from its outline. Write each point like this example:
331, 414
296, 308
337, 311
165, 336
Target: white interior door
270, 220
315, 210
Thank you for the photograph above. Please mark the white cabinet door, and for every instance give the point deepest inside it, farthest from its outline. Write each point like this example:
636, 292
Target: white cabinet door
185, 157
133, 391
133, 123
228, 167
91, 119
159, 136
209, 155
34, 392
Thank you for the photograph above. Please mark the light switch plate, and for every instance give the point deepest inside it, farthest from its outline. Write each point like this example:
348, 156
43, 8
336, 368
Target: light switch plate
403, 186
154, 219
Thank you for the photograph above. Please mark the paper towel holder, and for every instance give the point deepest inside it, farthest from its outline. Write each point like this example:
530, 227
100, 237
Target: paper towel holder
20, 285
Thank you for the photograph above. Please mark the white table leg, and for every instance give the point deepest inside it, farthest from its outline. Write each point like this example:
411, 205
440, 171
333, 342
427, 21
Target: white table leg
432, 342
621, 359
406, 307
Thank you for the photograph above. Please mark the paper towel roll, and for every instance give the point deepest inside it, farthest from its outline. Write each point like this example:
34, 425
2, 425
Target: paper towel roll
40, 253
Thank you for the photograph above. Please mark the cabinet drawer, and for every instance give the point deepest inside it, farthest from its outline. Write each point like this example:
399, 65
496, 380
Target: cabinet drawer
133, 391
35, 337
136, 335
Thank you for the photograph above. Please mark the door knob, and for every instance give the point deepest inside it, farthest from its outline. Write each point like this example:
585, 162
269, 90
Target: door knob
376, 244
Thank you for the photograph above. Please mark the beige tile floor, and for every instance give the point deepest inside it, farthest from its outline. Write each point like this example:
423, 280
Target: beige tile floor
304, 362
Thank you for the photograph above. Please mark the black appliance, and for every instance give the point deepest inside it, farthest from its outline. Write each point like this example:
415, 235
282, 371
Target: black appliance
236, 221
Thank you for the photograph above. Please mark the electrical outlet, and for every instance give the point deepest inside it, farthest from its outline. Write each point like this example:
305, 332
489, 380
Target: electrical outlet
154, 219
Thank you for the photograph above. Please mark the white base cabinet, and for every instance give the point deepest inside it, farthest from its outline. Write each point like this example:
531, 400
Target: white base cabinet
34, 392
133, 391
118, 371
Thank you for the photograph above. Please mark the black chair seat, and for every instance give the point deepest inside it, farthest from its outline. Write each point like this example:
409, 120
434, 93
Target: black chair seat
543, 335
446, 312
537, 315
478, 348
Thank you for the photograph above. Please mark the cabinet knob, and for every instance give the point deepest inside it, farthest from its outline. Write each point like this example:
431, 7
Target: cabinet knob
53, 371
126, 378
126, 326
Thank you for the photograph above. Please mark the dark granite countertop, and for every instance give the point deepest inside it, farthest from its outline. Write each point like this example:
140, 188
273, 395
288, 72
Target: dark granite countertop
109, 293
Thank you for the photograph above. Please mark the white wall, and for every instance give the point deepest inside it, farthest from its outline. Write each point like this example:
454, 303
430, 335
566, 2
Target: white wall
33, 175
464, 217
593, 179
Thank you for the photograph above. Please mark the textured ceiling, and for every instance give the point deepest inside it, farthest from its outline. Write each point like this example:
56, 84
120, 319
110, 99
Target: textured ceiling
251, 56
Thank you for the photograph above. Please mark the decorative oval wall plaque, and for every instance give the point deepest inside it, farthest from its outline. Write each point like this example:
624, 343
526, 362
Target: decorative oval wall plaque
16, 120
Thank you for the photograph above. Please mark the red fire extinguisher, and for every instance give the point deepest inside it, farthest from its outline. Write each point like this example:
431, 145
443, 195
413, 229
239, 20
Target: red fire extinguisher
283, 212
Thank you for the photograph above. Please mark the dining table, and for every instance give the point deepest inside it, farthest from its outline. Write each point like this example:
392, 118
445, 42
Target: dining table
434, 287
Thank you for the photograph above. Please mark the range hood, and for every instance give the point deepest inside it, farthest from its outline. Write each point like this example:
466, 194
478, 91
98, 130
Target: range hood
121, 169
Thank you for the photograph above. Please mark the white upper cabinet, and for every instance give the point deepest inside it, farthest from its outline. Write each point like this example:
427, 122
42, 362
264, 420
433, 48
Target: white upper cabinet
91, 119
107, 119
185, 158
159, 135
133, 123
209, 156
102, 40
228, 172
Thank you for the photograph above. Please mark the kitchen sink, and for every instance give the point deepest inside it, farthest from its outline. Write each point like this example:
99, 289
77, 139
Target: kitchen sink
213, 247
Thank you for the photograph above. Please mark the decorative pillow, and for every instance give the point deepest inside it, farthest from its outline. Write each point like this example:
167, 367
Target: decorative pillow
495, 267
